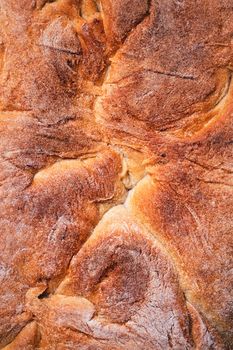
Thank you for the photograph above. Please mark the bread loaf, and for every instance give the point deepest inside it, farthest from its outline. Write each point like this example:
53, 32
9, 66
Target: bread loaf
116, 186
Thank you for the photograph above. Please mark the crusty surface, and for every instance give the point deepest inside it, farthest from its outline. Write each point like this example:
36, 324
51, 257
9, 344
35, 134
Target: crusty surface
116, 166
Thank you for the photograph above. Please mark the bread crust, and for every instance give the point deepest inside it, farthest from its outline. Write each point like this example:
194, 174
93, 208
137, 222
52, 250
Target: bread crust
116, 174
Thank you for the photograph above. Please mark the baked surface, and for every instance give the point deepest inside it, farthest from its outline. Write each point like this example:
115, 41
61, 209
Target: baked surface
116, 194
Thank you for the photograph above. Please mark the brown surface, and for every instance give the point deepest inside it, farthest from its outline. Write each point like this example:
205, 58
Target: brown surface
116, 166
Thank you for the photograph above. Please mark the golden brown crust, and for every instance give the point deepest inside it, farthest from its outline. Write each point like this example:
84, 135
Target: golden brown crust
27, 339
99, 98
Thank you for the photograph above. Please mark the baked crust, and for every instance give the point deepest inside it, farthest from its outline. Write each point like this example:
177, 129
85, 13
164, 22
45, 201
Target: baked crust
116, 174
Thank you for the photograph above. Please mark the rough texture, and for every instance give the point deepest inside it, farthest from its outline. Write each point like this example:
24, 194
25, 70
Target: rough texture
116, 185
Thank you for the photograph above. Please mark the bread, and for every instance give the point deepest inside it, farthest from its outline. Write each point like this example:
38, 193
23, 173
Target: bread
116, 174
